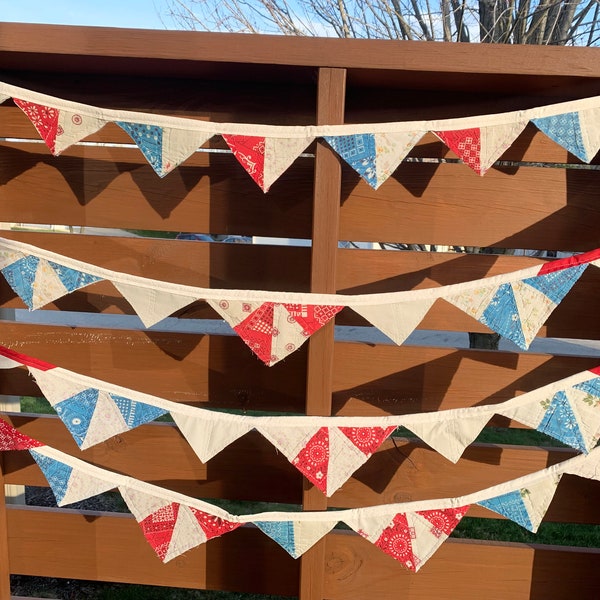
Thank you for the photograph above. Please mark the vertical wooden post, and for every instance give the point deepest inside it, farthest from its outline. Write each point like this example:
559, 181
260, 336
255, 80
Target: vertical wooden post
326, 209
4, 564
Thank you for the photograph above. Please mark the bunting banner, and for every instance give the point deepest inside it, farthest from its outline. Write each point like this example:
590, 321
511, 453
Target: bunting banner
409, 532
266, 151
275, 324
326, 450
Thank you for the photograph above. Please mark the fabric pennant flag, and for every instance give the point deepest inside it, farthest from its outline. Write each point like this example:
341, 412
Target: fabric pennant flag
250, 152
273, 330
44, 119
565, 130
359, 151
56, 473
38, 281
12, 439
74, 127
398, 320
589, 121
152, 305
450, 437
528, 505
136, 413
280, 153
466, 144
8, 257
296, 537
208, 437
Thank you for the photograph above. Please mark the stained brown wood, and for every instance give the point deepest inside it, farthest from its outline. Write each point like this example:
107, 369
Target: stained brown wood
5, 569
460, 569
112, 548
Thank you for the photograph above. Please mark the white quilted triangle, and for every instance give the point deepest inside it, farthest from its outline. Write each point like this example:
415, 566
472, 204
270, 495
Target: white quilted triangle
474, 301
187, 534
74, 127
534, 309
537, 498
370, 526
450, 437
280, 153
344, 459
234, 311
426, 539
178, 145
152, 305
587, 413
495, 140
106, 421
589, 121
391, 149
141, 504
530, 414
307, 534
54, 388
289, 335
288, 440
398, 320
208, 437
82, 486
47, 286
8, 257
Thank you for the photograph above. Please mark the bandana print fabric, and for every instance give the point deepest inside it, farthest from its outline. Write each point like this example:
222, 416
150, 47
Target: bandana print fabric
295, 537
359, 152
77, 412
149, 139
158, 528
12, 439
444, 521
136, 413
466, 144
43, 118
250, 152
211, 525
396, 540
313, 459
367, 439
565, 130
56, 473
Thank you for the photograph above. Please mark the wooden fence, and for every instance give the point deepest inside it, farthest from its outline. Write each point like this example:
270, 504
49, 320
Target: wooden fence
276, 80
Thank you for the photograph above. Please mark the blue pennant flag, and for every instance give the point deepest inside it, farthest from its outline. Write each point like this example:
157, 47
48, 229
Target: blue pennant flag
565, 130
136, 413
280, 531
359, 152
511, 506
57, 474
502, 315
560, 422
76, 413
149, 139
71, 278
558, 284
21, 275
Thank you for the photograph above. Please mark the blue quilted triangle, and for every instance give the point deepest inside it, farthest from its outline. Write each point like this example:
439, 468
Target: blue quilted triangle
280, 531
359, 152
565, 130
511, 506
76, 413
560, 422
591, 386
20, 275
136, 413
149, 139
502, 316
73, 279
55, 472
558, 284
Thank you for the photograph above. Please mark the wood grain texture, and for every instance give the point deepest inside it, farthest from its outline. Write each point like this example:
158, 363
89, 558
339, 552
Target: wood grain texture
5, 569
460, 569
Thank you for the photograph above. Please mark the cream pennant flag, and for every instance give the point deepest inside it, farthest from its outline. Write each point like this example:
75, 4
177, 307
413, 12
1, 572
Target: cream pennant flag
105, 422
8, 257
296, 537
141, 504
280, 153
495, 140
391, 149
449, 437
178, 145
186, 534
208, 437
74, 127
150, 304
590, 131
397, 320
82, 486
289, 440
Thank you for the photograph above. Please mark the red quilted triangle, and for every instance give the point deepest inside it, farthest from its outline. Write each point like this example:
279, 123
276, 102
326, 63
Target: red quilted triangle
158, 528
367, 439
257, 330
444, 520
396, 540
250, 152
311, 317
211, 525
44, 119
466, 144
313, 460
11, 439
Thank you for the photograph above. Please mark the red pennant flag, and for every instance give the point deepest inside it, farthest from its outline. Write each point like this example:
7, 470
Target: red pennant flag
313, 460
367, 439
44, 119
158, 528
250, 152
211, 525
11, 439
466, 144
444, 520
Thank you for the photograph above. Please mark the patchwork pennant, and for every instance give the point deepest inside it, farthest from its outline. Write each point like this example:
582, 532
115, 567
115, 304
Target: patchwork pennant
565, 130
207, 437
74, 127
280, 153
56, 473
12, 439
8, 257
296, 537
450, 437
525, 506
466, 144
38, 281
359, 151
397, 320
43, 118
250, 152
273, 330
150, 304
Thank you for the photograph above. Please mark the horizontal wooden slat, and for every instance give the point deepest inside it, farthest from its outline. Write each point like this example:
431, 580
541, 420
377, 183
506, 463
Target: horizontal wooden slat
195, 369
459, 569
97, 546
449, 204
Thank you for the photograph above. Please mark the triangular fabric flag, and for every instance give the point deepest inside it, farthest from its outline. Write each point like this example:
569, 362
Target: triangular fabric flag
397, 320
280, 153
589, 122
186, 534
390, 150
466, 144
54, 388
44, 119
74, 127
495, 140
313, 460
158, 528
150, 304
12, 439
208, 437
211, 525
73, 279
106, 422
56, 473
396, 541
136, 413
561, 423
178, 145
565, 130
296, 537
76, 413
82, 486
149, 139
359, 151
525, 506
450, 437
250, 152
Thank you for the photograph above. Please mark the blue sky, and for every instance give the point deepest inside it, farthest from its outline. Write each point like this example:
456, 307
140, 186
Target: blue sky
104, 13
